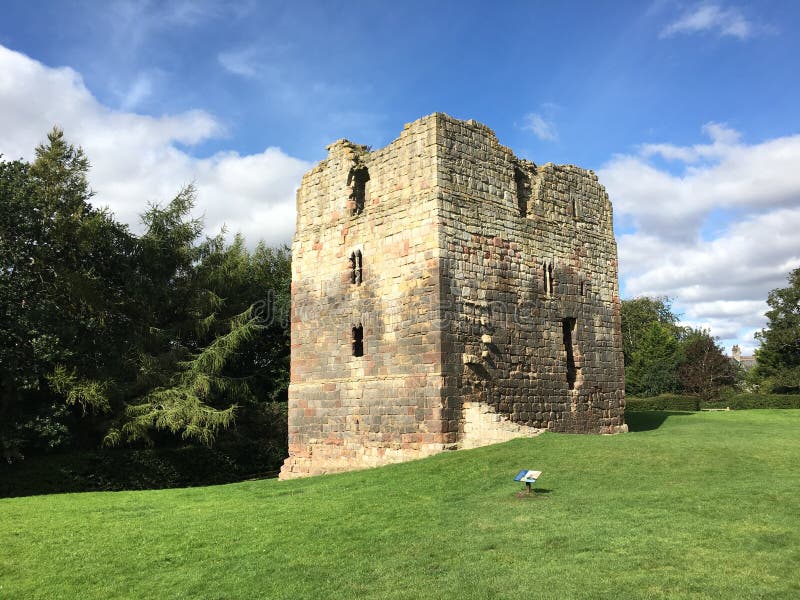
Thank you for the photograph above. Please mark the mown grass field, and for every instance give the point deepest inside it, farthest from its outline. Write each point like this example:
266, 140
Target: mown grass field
689, 505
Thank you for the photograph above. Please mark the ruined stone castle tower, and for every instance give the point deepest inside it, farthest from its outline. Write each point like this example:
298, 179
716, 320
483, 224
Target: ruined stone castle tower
447, 294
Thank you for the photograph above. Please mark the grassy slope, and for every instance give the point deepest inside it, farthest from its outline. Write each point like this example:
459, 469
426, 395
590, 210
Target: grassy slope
702, 504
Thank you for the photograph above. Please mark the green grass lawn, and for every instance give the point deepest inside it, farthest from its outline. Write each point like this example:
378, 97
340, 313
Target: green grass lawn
687, 505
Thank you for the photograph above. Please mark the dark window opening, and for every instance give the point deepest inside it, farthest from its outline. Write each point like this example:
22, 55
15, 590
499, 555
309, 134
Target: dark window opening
574, 208
357, 179
582, 287
356, 272
523, 191
567, 328
358, 340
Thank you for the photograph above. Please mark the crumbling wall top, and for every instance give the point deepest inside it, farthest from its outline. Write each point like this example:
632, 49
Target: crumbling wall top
346, 146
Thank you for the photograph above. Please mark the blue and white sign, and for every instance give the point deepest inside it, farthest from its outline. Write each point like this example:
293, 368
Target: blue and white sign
526, 476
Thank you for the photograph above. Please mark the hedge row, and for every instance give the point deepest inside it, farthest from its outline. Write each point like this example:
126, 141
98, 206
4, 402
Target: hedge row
734, 402
663, 402
744, 401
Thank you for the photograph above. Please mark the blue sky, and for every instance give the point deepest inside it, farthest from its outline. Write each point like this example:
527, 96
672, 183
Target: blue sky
687, 110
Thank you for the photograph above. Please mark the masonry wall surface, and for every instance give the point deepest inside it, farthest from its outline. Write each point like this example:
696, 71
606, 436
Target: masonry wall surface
475, 264
527, 252
348, 411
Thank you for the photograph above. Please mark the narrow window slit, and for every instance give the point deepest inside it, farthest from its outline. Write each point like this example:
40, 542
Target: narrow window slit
567, 328
522, 181
356, 269
358, 340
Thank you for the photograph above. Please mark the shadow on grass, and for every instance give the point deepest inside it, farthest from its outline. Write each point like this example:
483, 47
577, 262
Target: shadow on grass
533, 494
650, 419
126, 469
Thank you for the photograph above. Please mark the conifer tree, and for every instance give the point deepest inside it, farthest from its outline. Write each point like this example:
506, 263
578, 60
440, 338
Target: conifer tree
201, 356
61, 284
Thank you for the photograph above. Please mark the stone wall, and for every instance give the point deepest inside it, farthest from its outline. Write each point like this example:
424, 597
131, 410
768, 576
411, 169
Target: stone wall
529, 276
346, 410
467, 270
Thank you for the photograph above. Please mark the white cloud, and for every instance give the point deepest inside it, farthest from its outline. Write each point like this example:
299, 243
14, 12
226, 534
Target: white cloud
133, 22
720, 282
723, 138
542, 127
711, 17
136, 159
285, 80
289, 89
137, 92
242, 62
723, 175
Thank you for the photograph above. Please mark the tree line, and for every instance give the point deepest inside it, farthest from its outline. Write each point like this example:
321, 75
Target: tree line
662, 357
108, 337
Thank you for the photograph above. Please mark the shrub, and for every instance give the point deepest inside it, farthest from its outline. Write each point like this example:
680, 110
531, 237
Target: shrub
663, 402
254, 450
746, 401
732, 401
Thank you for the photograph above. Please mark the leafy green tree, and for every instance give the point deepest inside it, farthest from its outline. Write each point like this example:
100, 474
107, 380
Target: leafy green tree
651, 346
704, 370
259, 281
638, 314
778, 358
653, 368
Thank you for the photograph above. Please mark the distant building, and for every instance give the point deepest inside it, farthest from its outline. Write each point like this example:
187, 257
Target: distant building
746, 362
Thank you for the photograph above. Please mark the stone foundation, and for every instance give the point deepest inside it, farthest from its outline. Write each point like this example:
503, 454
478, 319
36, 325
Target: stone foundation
483, 426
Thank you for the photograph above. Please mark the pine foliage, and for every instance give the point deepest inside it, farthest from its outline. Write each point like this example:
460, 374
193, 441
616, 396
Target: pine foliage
120, 338
88, 394
186, 406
